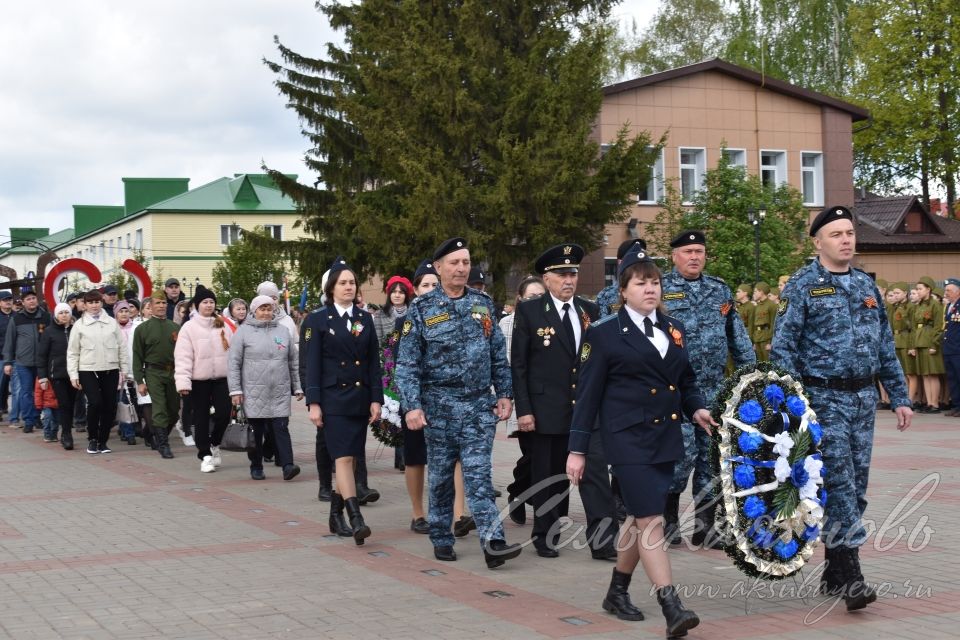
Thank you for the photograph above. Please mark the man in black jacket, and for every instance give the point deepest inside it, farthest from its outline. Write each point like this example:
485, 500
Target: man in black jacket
547, 334
6, 314
20, 352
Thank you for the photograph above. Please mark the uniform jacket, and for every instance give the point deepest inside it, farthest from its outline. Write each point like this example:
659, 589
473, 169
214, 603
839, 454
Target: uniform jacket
52, 359
713, 328
928, 324
343, 366
640, 398
96, 345
608, 300
827, 329
200, 352
764, 317
951, 331
545, 371
901, 321
451, 346
262, 365
154, 341
23, 337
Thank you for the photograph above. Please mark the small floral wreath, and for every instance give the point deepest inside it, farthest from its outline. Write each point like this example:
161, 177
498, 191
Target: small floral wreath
766, 454
389, 428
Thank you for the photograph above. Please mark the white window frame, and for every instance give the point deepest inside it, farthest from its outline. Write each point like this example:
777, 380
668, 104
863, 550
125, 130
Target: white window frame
655, 185
138, 240
817, 173
738, 156
269, 229
699, 168
226, 237
103, 252
780, 168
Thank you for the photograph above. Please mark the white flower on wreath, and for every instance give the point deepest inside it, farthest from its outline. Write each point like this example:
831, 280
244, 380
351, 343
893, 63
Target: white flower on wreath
782, 444
782, 469
813, 467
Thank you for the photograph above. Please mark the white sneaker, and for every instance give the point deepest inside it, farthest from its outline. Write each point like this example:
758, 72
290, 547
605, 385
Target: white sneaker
206, 465
179, 428
188, 441
217, 459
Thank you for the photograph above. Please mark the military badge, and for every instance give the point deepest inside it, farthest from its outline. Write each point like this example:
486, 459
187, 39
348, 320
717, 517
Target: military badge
546, 333
677, 336
725, 308
585, 352
437, 319
871, 302
407, 325
823, 291
782, 306
482, 315
676, 295
585, 318
357, 328
307, 334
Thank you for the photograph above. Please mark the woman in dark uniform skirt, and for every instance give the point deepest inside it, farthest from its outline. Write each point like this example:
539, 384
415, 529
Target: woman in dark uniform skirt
344, 392
637, 379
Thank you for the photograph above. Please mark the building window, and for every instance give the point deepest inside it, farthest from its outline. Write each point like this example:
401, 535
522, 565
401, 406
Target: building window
103, 252
736, 157
773, 168
230, 234
811, 171
693, 164
128, 242
111, 254
609, 271
138, 240
275, 231
652, 192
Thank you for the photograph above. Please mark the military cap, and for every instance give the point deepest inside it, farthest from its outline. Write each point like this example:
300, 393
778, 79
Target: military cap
626, 244
425, 268
634, 256
903, 286
339, 264
882, 284
159, 294
745, 288
690, 236
5, 295
762, 286
563, 258
927, 280
476, 276
954, 281
937, 292
449, 246
828, 215
110, 290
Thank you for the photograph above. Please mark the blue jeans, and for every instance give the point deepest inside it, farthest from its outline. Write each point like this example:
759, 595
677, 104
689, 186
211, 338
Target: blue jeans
14, 397
48, 419
26, 377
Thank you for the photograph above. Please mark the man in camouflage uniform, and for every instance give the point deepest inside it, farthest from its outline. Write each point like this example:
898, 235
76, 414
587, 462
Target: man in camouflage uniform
706, 308
764, 315
153, 344
609, 297
451, 353
832, 330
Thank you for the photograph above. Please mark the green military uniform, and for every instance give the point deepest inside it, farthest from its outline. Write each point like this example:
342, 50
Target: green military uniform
928, 332
745, 311
901, 322
761, 326
153, 344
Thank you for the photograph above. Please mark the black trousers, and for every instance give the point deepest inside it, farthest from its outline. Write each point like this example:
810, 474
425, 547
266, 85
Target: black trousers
548, 459
952, 362
205, 394
597, 497
281, 436
100, 387
4, 391
521, 470
80, 409
66, 396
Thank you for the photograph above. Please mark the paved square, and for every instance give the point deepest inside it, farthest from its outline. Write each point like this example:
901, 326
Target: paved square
127, 545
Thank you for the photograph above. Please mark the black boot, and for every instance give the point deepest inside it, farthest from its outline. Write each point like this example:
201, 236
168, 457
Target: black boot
160, 438
679, 619
360, 528
398, 460
365, 494
832, 582
856, 593
671, 519
496, 552
66, 439
325, 493
338, 524
705, 533
617, 600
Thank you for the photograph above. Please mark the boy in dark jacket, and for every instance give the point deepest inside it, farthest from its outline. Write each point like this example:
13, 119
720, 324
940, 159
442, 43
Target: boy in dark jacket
52, 371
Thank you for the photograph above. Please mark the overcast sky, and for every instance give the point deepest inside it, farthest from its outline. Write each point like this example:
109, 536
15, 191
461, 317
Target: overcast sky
97, 90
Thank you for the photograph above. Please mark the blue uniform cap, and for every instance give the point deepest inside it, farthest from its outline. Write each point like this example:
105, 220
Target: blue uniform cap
5, 295
339, 264
626, 244
635, 255
425, 268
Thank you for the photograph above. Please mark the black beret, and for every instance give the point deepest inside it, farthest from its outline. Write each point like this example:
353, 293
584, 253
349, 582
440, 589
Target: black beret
449, 246
476, 275
563, 258
635, 255
690, 236
339, 264
828, 215
626, 244
425, 268
110, 289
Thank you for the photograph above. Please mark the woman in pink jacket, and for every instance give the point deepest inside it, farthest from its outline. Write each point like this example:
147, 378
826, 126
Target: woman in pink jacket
201, 373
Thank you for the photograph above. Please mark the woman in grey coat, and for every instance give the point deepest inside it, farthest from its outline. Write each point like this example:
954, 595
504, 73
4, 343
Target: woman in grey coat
262, 375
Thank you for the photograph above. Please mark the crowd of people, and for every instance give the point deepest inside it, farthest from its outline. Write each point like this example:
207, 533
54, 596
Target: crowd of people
610, 395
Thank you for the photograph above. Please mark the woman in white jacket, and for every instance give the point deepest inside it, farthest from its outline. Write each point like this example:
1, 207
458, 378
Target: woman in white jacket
96, 360
200, 372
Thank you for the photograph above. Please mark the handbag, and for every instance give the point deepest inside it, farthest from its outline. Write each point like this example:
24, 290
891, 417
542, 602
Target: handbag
239, 434
126, 412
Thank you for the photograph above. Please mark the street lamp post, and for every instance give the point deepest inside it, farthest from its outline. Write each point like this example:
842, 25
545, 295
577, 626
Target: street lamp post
756, 217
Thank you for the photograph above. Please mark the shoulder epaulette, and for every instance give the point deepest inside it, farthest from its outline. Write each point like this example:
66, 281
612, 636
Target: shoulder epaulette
603, 320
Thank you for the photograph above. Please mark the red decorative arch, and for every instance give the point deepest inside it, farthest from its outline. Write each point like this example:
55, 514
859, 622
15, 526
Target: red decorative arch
51, 282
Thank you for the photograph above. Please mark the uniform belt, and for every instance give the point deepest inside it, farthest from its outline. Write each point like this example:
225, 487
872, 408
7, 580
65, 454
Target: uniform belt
161, 367
839, 384
760, 326
897, 332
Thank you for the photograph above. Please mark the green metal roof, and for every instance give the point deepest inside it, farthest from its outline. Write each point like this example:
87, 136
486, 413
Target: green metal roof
50, 241
240, 193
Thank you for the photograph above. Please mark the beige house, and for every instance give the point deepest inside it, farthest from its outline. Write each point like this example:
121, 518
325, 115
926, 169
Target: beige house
778, 131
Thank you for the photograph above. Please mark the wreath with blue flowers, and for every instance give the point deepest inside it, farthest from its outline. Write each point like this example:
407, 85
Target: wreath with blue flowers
767, 456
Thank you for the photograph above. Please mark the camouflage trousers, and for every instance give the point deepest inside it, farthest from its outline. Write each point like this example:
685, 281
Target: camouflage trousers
847, 418
460, 429
696, 456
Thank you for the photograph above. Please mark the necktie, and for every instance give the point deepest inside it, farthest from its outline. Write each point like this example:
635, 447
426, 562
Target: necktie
346, 318
568, 326
648, 327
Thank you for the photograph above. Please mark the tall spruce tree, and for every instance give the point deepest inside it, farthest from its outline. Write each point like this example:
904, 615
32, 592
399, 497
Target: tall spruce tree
468, 118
